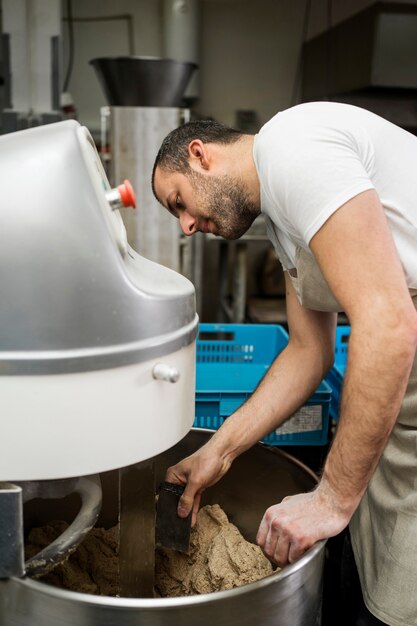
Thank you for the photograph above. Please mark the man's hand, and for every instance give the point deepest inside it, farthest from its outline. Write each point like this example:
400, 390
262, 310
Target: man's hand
289, 529
198, 471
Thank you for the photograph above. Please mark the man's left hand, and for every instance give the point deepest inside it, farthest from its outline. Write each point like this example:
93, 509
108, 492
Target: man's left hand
289, 529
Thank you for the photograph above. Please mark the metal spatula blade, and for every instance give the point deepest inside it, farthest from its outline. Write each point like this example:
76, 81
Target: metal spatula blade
171, 531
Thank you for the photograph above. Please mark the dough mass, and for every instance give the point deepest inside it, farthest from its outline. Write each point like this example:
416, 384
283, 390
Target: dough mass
92, 568
219, 558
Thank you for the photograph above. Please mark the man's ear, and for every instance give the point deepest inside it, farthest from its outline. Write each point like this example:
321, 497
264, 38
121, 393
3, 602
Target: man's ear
199, 155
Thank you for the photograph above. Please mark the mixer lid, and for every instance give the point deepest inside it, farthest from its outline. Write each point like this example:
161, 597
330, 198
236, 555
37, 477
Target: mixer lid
75, 296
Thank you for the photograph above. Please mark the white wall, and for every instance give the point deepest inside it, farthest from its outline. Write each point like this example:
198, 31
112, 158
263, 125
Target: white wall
248, 50
107, 38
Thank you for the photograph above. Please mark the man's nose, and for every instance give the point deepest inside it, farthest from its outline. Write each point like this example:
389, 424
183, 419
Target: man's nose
187, 223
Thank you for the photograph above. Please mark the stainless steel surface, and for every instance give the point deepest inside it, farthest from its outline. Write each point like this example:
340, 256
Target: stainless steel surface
143, 81
239, 283
11, 531
197, 241
89, 488
137, 530
113, 198
233, 268
181, 36
35, 363
75, 300
47, 489
191, 264
292, 597
135, 135
163, 371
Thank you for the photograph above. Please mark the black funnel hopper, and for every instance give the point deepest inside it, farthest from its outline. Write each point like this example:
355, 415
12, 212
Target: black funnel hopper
143, 81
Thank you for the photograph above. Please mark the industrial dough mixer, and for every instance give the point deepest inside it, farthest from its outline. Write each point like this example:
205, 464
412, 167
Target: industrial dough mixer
97, 344
97, 370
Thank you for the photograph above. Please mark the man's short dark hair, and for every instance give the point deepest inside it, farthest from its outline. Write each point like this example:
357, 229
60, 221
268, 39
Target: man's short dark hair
173, 154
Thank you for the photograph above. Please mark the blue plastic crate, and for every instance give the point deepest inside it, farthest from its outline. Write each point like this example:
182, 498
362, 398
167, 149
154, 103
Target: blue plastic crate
231, 361
341, 346
336, 375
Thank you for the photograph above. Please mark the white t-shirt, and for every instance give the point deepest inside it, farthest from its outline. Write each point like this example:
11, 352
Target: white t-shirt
313, 158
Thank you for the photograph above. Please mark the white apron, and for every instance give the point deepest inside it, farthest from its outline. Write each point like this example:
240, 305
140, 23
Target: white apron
384, 528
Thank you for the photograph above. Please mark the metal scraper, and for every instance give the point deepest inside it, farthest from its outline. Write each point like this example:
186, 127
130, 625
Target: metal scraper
171, 530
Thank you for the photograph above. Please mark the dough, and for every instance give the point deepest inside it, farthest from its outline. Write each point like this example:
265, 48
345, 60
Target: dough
219, 559
92, 568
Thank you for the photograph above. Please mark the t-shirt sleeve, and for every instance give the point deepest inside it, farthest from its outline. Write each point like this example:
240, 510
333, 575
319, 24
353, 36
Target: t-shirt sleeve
313, 173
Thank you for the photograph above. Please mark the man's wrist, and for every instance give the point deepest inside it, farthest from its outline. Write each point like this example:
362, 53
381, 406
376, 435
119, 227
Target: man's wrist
225, 443
339, 503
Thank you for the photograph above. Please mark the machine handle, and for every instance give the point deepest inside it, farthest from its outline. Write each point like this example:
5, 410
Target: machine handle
162, 371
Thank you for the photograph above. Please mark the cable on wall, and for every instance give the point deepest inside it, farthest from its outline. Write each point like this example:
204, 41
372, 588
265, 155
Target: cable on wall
70, 46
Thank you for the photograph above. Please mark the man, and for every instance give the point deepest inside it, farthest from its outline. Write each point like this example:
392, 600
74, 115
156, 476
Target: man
337, 186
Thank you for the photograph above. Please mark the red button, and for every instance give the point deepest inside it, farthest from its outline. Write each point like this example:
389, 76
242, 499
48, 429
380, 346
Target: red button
127, 194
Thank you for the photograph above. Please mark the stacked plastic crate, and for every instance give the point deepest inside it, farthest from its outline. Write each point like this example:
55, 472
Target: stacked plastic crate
231, 361
336, 375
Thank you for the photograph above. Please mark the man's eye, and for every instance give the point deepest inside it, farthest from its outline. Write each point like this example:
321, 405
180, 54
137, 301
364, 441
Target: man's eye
178, 204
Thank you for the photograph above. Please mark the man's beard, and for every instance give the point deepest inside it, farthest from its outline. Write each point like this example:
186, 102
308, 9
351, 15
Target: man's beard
222, 200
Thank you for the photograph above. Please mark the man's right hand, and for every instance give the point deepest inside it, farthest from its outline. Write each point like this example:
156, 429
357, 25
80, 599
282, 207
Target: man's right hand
198, 471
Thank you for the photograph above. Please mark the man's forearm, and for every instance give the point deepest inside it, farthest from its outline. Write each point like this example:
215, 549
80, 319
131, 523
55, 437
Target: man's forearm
375, 384
289, 382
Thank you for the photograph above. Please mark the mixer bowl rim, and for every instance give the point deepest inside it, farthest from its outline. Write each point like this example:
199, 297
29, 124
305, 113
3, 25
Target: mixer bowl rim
204, 598
166, 603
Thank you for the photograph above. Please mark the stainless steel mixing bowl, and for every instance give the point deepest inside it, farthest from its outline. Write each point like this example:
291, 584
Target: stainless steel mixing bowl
259, 478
